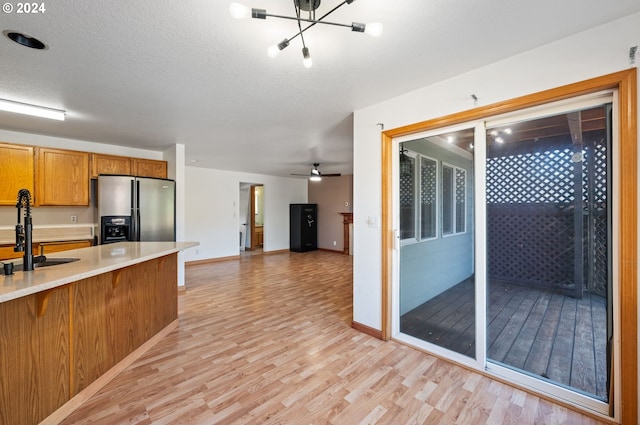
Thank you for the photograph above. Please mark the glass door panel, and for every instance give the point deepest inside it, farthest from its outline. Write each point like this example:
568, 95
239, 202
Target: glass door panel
548, 248
437, 273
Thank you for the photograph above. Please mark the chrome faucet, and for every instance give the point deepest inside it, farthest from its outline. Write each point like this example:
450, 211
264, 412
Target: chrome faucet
24, 233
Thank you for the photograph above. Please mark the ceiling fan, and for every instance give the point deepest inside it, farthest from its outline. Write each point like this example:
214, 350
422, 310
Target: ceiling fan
315, 174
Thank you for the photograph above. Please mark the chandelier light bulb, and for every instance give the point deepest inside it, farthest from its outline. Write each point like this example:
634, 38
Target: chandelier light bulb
239, 11
307, 61
273, 51
374, 29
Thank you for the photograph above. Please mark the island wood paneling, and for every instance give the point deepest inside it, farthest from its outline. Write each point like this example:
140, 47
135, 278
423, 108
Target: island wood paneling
34, 358
117, 312
55, 343
91, 340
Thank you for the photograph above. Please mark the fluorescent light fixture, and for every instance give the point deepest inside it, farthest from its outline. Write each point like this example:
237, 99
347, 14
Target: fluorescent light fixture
34, 110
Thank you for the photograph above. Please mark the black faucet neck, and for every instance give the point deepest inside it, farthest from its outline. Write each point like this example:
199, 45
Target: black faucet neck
24, 233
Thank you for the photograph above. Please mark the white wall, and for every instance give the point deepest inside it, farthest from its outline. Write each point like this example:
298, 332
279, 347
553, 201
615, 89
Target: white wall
175, 157
593, 53
213, 210
599, 51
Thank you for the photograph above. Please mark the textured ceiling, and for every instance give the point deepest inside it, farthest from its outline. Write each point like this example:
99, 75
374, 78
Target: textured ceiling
150, 74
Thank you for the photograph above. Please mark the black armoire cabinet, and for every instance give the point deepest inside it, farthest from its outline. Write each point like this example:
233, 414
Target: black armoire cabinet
303, 227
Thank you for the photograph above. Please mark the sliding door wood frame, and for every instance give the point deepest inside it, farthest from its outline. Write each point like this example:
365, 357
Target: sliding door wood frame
625, 82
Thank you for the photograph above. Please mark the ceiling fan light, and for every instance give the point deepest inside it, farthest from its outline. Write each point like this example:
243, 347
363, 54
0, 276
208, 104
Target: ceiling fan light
315, 178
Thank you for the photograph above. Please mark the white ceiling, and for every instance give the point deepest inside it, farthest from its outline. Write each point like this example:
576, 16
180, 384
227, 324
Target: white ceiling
151, 73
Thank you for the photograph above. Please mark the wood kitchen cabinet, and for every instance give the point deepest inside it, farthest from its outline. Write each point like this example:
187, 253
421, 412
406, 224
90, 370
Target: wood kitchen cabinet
62, 177
16, 172
43, 248
51, 247
110, 164
7, 252
149, 168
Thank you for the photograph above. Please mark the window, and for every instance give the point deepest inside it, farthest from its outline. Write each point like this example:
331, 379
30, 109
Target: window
418, 197
454, 189
407, 196
428, 197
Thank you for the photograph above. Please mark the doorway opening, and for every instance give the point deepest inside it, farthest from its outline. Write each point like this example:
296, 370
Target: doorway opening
251, 232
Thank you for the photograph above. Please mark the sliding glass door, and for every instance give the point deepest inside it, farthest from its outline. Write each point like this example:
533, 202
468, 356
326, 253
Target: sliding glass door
437, 294
548, 236
505, 245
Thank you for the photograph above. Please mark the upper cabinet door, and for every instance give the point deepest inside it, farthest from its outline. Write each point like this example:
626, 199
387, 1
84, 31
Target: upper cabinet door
62, 177
109, 164
16, 172
149, 168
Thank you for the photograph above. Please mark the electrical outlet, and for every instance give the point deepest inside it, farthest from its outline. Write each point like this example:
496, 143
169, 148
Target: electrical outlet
334, 243
197, 251
74, 218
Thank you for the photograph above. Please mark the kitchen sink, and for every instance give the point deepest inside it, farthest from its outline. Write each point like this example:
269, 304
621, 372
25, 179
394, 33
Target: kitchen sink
46, 262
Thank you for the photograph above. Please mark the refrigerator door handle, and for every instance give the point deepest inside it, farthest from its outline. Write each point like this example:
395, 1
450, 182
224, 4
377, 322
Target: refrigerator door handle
138, 210
134, 223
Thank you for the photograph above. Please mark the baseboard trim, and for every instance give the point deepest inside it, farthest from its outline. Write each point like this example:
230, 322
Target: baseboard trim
275, 251
72, 405
211, 260
335, 251
366, 329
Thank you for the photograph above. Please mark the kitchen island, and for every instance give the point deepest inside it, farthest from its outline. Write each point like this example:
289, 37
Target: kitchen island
63, 327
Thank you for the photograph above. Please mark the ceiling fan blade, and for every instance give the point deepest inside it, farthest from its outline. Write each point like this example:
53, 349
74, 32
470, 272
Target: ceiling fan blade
303, 175
331, 175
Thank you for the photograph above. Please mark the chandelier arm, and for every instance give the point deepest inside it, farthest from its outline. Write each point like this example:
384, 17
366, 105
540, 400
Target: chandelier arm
297, 8
313, 22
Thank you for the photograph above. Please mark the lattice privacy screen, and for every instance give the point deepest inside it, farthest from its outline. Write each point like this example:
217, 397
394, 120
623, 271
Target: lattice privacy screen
531, 217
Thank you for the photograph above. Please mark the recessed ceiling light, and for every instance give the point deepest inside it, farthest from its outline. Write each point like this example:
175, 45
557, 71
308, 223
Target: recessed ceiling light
193, 161
25, 40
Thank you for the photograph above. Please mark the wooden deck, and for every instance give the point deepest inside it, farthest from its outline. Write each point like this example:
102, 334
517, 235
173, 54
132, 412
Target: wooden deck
550, 335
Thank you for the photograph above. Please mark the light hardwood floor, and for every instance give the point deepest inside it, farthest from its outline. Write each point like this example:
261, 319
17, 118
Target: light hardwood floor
267, 340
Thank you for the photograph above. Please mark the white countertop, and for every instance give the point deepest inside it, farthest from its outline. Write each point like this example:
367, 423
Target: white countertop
92, 261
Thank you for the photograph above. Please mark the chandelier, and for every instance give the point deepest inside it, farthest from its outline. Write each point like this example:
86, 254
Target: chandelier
240, 11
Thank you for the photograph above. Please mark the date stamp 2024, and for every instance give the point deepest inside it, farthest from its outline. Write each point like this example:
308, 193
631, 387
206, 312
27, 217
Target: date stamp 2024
24, 8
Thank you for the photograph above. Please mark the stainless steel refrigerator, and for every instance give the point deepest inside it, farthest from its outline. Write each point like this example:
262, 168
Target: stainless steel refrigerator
136, 209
